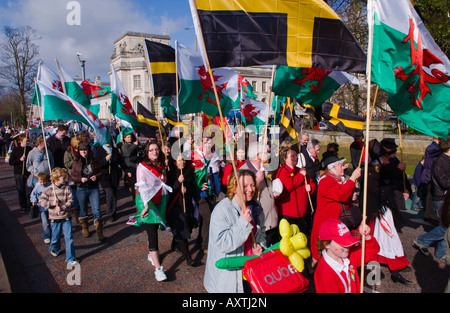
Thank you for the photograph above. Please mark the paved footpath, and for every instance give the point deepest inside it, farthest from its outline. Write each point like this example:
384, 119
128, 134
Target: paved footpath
120, 264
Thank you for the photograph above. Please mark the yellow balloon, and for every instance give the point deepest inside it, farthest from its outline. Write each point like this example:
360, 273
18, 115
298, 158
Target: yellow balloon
285, 229
291, 240
299, 241
297, 262
295, 229
286, 247
304, 252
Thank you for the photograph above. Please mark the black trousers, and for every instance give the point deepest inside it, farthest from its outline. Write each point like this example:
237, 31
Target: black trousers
24, 191
111, 201
152, 234
205, 207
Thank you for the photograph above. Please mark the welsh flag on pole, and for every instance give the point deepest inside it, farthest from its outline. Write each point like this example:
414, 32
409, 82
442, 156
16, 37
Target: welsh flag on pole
56, 105
48, 77
245, 89
255, 113
120, 104
196, 88
149, 187
407, 63
311, 86
94, 91
35, 123
72, 89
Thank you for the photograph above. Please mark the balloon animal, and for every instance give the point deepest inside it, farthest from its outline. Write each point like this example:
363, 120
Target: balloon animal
293, 244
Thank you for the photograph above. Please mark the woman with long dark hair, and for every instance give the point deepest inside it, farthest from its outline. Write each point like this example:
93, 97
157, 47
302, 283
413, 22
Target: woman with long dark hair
150, 201
86, 173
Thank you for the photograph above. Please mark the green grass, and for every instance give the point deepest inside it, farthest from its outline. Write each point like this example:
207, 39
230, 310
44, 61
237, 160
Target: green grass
411, 160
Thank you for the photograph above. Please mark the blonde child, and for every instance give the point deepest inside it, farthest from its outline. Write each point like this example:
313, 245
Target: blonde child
58, 199
43, 183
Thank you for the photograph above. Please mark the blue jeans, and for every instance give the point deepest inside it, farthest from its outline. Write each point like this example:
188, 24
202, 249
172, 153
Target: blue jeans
437, 205
66, 227
437, 234
46, 225
91, 195
75, 198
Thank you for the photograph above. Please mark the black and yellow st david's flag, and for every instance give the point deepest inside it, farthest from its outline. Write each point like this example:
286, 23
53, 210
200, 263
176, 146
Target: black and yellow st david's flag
342, 118
298, 33
161, 60
148, 121
290, 124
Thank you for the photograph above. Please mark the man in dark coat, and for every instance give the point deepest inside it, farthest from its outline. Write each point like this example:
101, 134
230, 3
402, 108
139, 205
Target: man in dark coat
109, 159
58, 144
394, 172
18, 156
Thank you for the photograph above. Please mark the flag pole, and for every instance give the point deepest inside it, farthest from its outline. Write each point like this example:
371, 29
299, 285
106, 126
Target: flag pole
268, 110
202, 43
27, 133
178, 121
370, 121
300, 152
59, 73
153, 92
43, 136
366, 155
401, 151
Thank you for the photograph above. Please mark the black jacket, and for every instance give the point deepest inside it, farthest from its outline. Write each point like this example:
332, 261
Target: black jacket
440, 177
111, 173
14, 160
58, 148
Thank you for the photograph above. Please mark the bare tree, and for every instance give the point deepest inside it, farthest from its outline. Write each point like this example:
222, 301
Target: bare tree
18, 63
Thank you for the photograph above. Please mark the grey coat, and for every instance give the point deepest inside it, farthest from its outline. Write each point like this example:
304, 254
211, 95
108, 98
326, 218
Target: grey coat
228, 232
37, 162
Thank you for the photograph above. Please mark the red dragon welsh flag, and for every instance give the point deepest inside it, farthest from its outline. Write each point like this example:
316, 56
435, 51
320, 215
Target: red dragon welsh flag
120, 104
408, 64
196, 88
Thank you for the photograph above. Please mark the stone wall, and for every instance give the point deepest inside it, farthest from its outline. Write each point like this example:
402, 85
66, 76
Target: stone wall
412, 144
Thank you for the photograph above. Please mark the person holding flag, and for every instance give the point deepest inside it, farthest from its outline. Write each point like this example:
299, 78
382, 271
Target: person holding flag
109, 159
206, 164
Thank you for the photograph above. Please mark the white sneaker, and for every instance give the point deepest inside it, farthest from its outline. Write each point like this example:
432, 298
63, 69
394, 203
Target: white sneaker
73, 263
46, 240
150, 259
159, 274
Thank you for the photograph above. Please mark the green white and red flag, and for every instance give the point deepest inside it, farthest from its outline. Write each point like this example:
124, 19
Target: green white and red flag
311, 86
255, 113
94, 91
56, 105
407, 63
48, 77
120, 104
196, 88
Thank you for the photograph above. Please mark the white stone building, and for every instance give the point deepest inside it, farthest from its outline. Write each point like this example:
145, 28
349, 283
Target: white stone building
129, 62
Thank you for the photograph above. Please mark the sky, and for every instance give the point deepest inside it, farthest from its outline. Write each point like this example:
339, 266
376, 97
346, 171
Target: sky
101, 22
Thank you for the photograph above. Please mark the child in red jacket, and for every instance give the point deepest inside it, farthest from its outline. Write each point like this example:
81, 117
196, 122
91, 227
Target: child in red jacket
340, 256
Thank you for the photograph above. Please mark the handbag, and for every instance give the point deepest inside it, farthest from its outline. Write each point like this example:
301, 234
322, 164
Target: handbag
273, 273
351, 217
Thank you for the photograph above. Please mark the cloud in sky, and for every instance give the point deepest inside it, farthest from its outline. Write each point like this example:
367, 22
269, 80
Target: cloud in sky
102, 22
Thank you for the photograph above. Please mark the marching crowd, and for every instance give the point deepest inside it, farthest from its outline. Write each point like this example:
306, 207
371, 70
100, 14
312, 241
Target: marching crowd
237, 203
